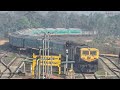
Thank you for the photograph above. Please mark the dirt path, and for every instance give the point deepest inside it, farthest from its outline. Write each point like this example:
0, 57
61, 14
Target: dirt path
2, 42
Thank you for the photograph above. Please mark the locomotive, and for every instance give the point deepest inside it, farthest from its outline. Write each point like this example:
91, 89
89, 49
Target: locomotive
85, 57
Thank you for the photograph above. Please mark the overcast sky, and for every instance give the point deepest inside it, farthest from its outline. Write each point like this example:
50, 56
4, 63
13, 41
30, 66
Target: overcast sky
88, 12
78, 12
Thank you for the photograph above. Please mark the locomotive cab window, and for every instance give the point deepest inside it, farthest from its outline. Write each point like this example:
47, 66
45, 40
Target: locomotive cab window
93, 52
85, 52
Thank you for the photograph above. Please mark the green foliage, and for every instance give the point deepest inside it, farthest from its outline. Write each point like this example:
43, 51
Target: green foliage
35, 24
108, 27
105, 25
23, 23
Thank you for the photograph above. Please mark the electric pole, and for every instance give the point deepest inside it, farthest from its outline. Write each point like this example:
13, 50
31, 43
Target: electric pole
43, 57
48, 56
39, 68
51, 65
45, 53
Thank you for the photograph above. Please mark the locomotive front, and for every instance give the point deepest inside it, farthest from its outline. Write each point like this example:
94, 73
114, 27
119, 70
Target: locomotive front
86, 60
89, 54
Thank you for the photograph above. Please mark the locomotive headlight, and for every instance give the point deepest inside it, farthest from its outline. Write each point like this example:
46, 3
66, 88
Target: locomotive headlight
88, 57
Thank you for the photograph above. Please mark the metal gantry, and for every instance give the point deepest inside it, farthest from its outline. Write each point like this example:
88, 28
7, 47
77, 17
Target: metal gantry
39, 67
45, 49
48, 55
44, 62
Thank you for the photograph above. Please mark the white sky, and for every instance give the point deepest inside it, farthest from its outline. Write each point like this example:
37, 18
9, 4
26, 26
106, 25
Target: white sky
78, 12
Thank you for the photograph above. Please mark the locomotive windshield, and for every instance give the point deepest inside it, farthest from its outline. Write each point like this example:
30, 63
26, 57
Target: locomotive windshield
93, 52
85, 53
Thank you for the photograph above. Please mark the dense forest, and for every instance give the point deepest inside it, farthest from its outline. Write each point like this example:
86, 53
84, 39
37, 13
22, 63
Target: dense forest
107, 26
16, 20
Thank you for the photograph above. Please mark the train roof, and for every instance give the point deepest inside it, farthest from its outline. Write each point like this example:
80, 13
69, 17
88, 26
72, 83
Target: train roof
57, 31
38, 34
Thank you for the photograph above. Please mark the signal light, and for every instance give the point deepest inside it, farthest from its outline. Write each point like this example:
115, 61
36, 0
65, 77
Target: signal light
68, 44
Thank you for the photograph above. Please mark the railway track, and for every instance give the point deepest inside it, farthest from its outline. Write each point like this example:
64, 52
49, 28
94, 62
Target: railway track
113, 63
2, 63
9, 70
85, 76
14, 67
110, 66
89, 76
116, 69
79, 76
4, 71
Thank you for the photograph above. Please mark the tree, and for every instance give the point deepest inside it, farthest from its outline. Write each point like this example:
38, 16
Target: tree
23, 23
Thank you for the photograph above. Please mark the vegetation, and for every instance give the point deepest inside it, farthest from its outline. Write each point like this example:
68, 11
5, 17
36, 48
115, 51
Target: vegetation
105, 25
108, 27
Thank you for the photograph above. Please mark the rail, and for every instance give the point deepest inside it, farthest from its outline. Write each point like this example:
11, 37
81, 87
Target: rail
110, 67
15, 70
4, 63
109, 55
7, 66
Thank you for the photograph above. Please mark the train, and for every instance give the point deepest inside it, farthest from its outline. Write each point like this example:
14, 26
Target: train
85, 57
